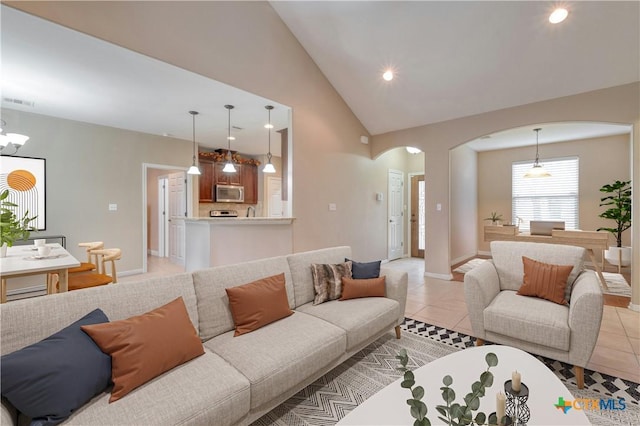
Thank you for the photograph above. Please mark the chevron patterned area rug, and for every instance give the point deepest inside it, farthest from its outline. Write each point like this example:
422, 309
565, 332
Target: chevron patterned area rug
338, 392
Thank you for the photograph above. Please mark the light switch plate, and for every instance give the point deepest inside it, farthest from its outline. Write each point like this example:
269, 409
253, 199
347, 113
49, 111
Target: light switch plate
332, 207
113, 207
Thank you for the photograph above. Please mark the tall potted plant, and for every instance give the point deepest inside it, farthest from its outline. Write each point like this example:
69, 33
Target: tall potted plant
12, 228
619, 210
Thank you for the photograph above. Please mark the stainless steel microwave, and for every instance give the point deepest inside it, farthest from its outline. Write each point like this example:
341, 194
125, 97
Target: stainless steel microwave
229, 194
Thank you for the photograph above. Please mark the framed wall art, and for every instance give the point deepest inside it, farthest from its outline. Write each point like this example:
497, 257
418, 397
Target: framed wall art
25, 179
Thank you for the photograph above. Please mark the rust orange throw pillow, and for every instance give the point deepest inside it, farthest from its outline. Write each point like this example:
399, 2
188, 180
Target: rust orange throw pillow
258, 303
370, 287
147, 345
544, 280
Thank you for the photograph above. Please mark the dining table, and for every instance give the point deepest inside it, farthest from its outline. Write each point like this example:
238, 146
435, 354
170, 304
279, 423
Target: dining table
24, 260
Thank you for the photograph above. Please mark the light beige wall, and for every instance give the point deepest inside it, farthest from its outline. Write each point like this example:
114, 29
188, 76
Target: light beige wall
620, 104
89, 167
246, 45
601, 161
464, 205
415, 162
152, 208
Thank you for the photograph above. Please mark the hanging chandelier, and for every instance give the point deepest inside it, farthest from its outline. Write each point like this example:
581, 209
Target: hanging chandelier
194, 170
537, 170
229, 167
268, 168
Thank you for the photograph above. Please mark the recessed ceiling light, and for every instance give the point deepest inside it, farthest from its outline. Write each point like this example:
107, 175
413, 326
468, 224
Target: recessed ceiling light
388, 75
231, 138
268, 126
558, 15
412, 150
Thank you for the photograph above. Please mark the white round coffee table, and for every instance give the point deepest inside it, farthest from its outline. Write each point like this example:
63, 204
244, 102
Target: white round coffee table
389, 407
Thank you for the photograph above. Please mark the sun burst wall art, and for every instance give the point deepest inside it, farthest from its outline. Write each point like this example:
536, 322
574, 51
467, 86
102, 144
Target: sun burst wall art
24, 177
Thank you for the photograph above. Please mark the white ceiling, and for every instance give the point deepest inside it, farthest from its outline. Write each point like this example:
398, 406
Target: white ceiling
452, 59
70, 75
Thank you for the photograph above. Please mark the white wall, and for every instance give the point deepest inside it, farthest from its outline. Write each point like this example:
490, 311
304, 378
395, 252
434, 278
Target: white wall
464, 203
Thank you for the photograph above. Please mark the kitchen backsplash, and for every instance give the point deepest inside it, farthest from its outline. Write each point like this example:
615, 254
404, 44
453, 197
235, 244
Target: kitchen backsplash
205, 208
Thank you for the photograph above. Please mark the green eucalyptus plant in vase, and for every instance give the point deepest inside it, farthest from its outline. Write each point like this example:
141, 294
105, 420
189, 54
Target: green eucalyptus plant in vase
12, 227
451, 412
618, 203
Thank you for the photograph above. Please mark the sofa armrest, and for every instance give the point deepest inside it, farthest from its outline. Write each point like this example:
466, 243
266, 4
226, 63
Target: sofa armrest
8, 414
585, 316
481, 286
396, 283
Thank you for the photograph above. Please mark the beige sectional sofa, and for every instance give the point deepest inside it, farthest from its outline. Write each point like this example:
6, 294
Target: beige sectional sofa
238, 379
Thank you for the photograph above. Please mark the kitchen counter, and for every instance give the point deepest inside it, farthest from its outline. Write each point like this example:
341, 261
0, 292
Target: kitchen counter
212, 241
242, 220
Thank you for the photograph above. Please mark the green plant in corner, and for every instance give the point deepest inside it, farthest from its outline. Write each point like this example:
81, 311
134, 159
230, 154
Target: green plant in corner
451, 413
494, 218
620, 210
12, 228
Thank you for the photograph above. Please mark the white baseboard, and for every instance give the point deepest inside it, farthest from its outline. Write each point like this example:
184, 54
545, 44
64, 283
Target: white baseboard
153, 252
447, 277
25, 290
484, 253
132, 272
634, 307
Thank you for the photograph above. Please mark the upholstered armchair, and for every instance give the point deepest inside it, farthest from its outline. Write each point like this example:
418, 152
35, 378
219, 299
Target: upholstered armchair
565, 332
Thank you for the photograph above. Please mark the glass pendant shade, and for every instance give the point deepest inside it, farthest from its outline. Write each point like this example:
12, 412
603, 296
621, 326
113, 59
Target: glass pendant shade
537, 171
17, 139
268, 168
4, 140
194, 170
229, 168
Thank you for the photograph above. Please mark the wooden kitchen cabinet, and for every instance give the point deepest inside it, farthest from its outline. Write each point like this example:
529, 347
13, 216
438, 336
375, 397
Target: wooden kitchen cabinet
250, 182
206, 181
222, 178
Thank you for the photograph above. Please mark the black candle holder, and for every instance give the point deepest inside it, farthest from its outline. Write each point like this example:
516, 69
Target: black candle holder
516, 404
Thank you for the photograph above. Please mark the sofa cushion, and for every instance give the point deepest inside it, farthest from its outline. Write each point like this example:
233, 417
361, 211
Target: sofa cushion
258, 303
50, 379
364, 270
147, 345
359, 318
544, 280
299, 264
204, 391
280, 356
530, 319
30, 320
210, 284
507, 258
370, 287
327, 280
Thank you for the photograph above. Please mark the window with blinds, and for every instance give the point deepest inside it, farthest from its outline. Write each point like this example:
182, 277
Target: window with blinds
550, 198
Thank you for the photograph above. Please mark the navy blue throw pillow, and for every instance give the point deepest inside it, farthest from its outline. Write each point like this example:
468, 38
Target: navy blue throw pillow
364, 270
50, 379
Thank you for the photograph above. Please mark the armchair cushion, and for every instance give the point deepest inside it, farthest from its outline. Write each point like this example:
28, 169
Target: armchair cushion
530, 319
507, 258
545, 280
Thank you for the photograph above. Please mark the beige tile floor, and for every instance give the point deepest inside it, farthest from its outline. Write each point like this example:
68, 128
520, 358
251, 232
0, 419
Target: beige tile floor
441, 303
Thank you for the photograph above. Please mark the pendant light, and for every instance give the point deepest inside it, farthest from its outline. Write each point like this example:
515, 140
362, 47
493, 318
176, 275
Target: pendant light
229, 168
537, 170
194, 170
268, 168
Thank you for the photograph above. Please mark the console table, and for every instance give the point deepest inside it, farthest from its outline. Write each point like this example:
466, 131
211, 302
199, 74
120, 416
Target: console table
590, 240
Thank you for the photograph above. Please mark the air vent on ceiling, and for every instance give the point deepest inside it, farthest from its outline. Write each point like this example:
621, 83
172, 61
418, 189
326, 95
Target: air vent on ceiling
19, 102
237, 128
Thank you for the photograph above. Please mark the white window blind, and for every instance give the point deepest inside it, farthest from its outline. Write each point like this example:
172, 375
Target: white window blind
550, 198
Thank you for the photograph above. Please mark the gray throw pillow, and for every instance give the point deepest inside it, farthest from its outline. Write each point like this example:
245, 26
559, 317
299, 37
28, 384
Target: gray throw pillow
364, 270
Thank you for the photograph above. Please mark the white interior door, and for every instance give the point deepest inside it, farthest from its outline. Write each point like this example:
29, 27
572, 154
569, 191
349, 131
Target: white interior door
274, 197
395, 214
177, 210
163, 217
